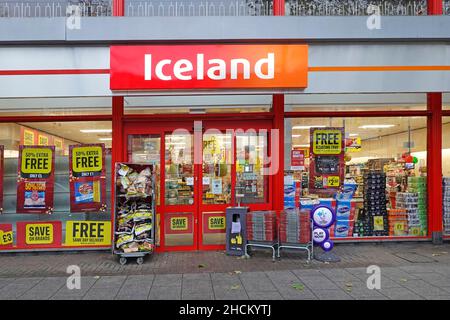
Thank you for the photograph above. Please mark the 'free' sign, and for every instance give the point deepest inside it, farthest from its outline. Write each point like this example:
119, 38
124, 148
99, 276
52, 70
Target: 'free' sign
87, 159
327, 141
36, 160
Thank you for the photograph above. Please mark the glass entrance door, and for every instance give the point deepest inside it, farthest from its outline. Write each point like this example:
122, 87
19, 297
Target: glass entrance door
180, 181
192, 197
216, 187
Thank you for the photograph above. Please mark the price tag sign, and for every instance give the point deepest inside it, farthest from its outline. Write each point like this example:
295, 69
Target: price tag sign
399, 226
415, 231
333, 181
378, 223
6, 237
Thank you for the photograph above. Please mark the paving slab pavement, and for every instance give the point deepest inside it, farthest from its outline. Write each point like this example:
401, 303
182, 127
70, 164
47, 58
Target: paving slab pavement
178, 276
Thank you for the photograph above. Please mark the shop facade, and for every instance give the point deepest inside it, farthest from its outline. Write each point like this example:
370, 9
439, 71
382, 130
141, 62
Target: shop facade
238, 137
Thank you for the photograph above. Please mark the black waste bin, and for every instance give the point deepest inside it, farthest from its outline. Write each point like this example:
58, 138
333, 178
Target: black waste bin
236, 230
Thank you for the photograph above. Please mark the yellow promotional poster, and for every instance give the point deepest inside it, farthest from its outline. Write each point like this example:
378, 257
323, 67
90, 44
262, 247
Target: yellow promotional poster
414, 231
353, 144
43, 140
216, 222
378, 224
58, 143
327, 141
87, 159
36, 161
179, 223
6, 237
333, 181
41, 233
88, 233
28, 137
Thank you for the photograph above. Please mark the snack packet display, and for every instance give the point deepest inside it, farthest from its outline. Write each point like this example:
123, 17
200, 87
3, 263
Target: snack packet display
134, 208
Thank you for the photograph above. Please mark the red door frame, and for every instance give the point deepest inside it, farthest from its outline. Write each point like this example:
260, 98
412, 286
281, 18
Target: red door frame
434, 154
160, 126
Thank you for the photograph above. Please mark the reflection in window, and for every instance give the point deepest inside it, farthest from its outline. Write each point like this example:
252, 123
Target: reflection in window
251, 157
179, 169
216, 181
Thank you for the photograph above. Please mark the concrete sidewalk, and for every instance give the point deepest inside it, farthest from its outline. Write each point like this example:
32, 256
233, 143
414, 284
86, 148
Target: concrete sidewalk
408, 271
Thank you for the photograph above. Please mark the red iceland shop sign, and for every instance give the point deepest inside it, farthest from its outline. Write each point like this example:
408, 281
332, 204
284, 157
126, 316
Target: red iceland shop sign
219, 66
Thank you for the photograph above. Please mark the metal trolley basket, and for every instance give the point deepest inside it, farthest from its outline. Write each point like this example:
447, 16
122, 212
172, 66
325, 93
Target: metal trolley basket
136, 208
295, 231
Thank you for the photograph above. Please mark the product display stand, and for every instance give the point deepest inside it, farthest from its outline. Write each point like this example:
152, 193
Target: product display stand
261, 231
134, 217
292, 232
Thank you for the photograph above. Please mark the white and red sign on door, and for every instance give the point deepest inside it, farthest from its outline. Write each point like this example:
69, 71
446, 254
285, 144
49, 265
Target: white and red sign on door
297, 159
221, 66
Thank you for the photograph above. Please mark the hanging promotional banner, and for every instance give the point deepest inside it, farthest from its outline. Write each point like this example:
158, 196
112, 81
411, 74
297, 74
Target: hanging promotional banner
46, 234
87, 177
88, 233
297, 159
6, 236
2, 168
353, 144
327, 160
43, 140
28, 137
35, 183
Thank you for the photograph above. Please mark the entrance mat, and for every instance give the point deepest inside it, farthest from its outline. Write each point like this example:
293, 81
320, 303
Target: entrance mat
414, 257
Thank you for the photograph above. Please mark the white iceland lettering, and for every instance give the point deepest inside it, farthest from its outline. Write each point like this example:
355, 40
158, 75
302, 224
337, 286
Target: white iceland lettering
270, 61
221, 68
182, 66
159, 69
216, 69
245, 66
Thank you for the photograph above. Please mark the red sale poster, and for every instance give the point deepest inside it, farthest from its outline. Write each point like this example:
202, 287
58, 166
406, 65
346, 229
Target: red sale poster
35, 182
297, 159
2, 167
87, 176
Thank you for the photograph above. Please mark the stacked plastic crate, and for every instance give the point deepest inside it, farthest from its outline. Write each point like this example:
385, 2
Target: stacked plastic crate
409, 201
295, 226
375, 203
418, 220
261, 226
446, 203
398, 222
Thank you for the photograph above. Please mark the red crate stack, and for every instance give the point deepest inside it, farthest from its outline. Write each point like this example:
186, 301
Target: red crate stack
296, 223
261, 226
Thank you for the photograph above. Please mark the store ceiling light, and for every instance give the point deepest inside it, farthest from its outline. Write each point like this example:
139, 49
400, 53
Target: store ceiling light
296, 135
306, 127
377, 126
301, 146
96, 130
105, 139
353, 134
